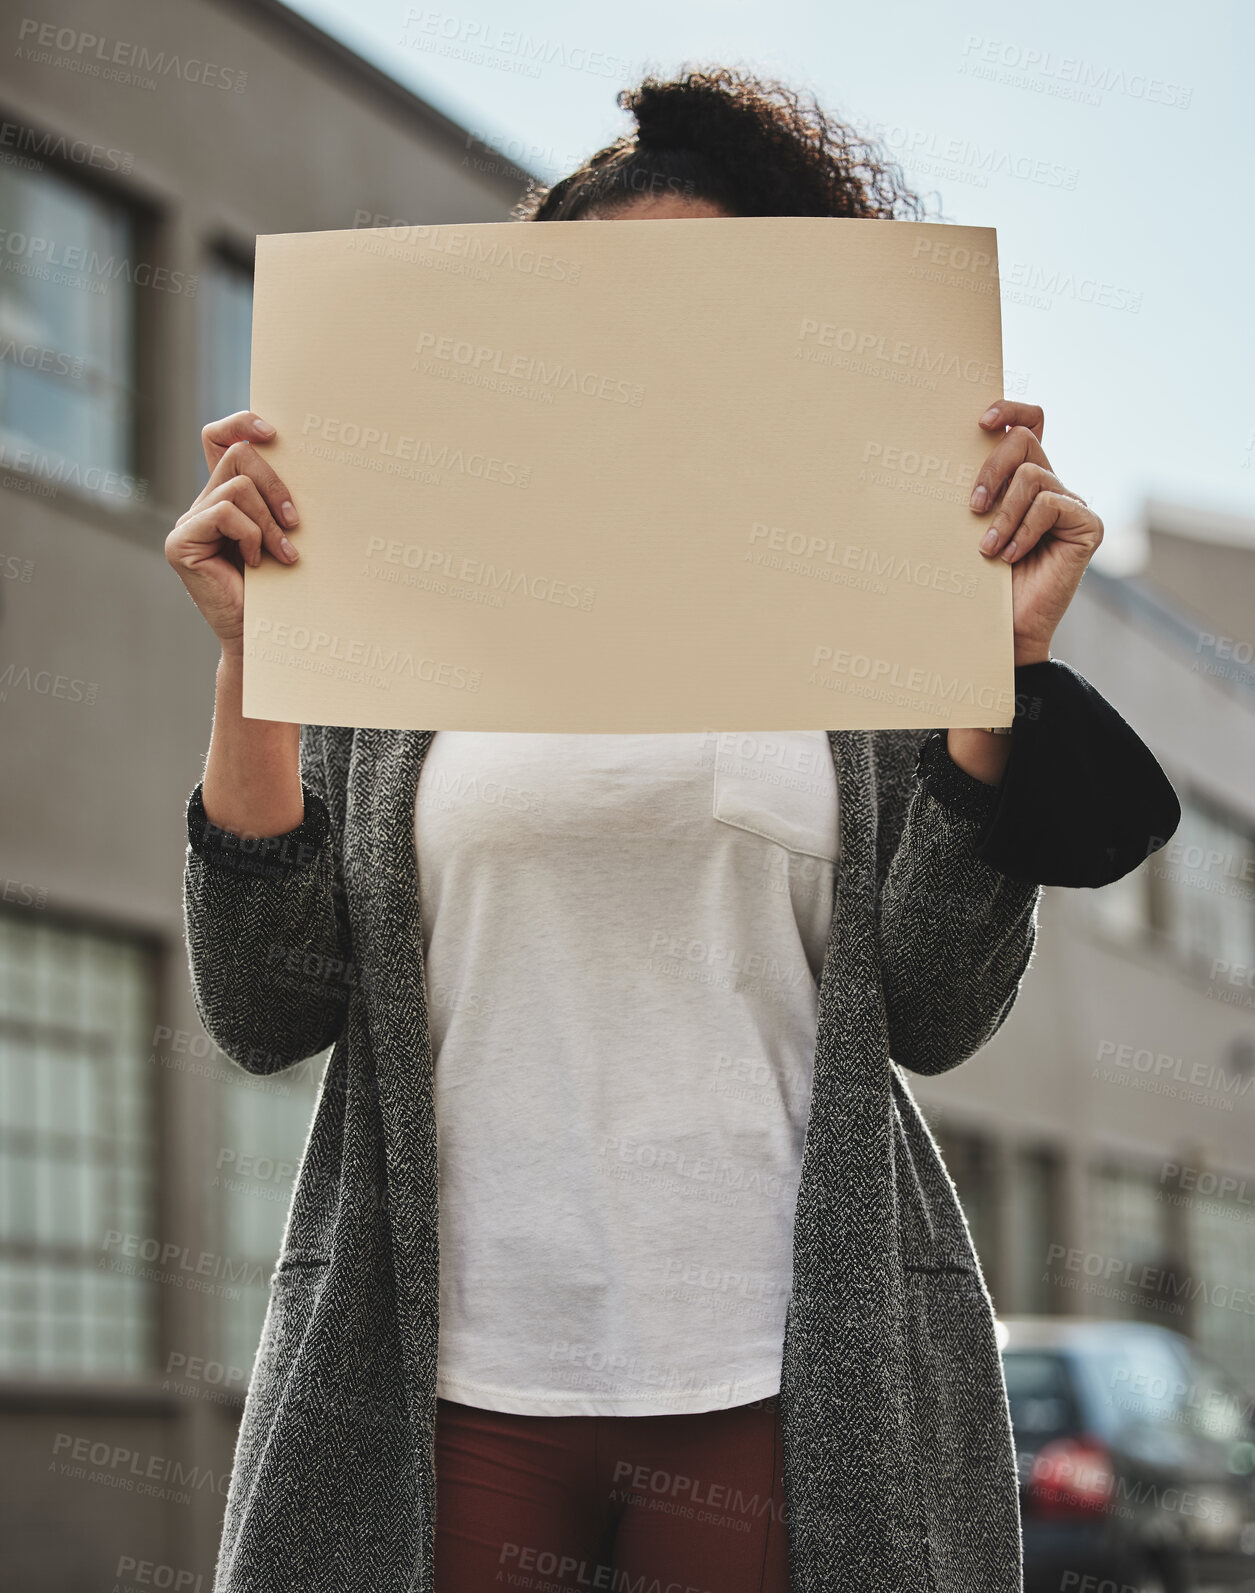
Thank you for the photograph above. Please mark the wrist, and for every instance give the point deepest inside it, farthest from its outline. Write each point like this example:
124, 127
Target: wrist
979, 753
229, 678
1031, 653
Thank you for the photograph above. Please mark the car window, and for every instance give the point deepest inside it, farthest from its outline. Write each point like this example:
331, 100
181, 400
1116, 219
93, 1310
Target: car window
1040, 1394
1218, 1409
1142, 1381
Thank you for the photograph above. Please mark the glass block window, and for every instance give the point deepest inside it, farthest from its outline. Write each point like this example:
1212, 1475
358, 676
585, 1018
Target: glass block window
67, 336
76, 1150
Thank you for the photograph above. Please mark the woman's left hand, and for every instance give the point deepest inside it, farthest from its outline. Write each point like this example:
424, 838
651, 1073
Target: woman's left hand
1045, 532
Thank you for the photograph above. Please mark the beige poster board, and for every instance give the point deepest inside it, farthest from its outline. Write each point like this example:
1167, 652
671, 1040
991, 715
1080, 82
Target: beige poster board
630, 476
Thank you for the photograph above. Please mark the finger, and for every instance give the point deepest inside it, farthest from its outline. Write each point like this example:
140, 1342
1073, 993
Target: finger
242, 459
1066, 518
218, 435
1016, 447
1006, 412
202, 535
244, 493
1028, 480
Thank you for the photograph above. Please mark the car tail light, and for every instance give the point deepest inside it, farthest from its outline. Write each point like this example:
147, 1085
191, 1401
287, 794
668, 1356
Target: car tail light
1070, 1477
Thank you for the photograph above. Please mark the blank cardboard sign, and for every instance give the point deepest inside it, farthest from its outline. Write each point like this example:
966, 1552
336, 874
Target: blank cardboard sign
630, 476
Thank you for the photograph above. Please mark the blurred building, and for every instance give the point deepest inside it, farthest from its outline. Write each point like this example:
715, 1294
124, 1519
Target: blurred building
1104, 1142
145, 1180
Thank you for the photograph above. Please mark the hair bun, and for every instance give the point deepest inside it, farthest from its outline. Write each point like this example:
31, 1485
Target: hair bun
749, 145
682, 115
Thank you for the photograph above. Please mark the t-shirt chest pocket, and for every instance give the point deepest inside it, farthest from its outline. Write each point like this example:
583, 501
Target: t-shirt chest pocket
781, 785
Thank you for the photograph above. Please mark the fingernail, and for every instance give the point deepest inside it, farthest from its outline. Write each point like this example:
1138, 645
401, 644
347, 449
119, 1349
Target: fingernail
990, 415
263, 428
1008, 552
979, 499
288, 510
989, 541
288, 549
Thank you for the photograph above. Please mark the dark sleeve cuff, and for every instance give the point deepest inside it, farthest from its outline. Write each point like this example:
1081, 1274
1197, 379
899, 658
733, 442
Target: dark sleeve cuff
957, 790
266, 856
1083, 800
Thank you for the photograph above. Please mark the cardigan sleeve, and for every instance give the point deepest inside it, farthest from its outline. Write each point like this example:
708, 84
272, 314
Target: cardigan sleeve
956, 934
1082, 801
266, 931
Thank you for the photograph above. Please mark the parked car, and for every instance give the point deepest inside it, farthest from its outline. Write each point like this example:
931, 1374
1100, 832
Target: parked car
1136, 1456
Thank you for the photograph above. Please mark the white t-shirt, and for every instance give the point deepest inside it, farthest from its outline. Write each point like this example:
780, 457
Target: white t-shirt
624, 936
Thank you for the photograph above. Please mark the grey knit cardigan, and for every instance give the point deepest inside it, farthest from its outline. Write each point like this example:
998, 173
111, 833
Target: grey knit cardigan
899, 1465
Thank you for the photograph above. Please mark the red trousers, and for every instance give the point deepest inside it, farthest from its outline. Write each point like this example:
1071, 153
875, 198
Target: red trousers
576, 1504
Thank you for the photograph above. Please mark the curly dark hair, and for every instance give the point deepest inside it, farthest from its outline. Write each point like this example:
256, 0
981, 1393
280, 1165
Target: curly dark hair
752, 146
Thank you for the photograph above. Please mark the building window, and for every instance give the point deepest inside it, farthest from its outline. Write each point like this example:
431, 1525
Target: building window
76, 1150
265, 1123
969, 1157
1203, 883
1221, 1230
1195, 897
1033, 1198
226, 331
1130, 1268
67, 336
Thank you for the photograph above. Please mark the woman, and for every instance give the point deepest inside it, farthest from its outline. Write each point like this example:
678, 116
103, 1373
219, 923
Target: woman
657, 1280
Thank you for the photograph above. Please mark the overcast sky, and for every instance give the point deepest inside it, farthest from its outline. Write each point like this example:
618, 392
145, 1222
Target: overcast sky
1111, 145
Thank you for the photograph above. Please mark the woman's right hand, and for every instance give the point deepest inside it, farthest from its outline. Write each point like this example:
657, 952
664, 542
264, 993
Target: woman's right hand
242, 514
